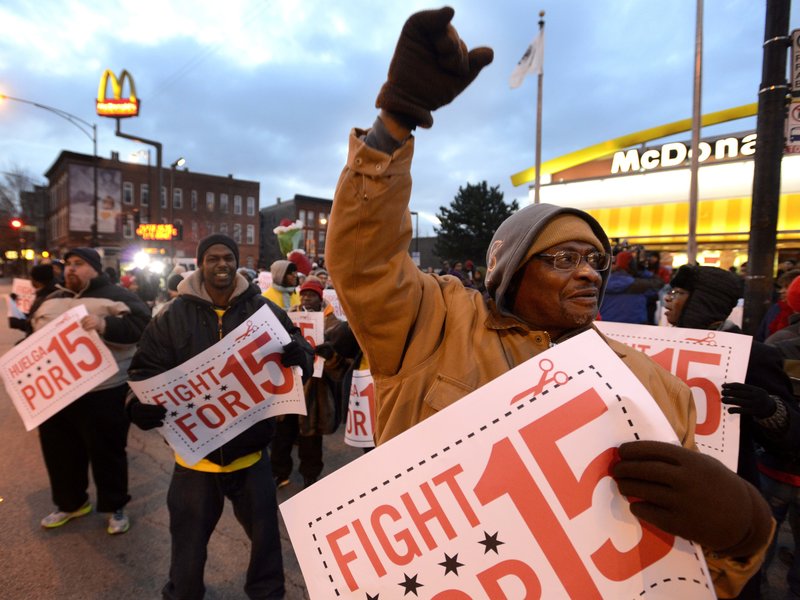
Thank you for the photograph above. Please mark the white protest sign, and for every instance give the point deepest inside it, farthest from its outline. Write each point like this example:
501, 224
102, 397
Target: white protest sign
312, 326
504, 494
25, 292
222, 391
264, 280
704, 360
361, 411
55, 366
12, 310
332, 298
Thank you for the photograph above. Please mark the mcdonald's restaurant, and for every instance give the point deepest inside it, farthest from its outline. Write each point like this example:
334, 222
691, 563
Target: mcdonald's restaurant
640, 195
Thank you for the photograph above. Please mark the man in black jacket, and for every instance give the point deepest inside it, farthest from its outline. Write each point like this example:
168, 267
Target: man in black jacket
211, 303
93, 430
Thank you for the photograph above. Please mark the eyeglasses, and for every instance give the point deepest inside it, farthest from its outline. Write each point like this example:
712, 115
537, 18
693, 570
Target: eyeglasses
569, 260
672, 293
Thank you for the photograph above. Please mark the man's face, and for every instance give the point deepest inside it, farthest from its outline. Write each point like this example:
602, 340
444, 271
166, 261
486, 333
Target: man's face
310, 301
323, 277
558, 301
673, 304
219, 267
290, 279
78, 273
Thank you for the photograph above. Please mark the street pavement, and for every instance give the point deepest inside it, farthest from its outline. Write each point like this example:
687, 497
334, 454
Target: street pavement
80, 561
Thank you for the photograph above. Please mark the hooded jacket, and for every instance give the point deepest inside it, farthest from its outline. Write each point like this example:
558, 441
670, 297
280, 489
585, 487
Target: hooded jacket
126, 317
187, 326
284, 297
713, 293
429, 340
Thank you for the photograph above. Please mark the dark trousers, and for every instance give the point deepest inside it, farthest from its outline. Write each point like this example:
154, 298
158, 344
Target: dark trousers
93, 430
309, 450
195, 501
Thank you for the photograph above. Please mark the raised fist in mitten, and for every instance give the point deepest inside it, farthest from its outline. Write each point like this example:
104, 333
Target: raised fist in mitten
430, 67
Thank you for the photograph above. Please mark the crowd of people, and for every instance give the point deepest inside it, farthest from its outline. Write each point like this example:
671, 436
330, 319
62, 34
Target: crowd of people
428, 339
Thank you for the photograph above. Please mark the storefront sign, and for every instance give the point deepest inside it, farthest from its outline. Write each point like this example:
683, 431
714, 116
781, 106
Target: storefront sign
795, 82
117, 106
54, 367
675, 154
222, 391
504, 494
158, 231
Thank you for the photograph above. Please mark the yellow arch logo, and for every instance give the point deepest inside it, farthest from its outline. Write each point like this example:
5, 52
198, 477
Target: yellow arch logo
116, 106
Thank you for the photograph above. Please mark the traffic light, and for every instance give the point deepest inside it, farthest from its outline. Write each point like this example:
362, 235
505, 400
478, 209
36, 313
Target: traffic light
16, 224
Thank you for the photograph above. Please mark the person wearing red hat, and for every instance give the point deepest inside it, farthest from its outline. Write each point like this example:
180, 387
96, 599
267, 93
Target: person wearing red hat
323, 402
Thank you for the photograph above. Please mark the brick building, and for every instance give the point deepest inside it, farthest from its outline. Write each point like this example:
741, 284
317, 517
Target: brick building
312, 212
196, 204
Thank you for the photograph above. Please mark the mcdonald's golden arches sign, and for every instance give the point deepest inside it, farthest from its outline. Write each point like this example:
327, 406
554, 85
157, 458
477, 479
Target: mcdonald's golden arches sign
117, 106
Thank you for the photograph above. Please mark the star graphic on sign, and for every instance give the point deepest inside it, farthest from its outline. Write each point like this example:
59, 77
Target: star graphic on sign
207, 397
451, 563
491, 542
174, 413
223, 388
410, 584
190, 405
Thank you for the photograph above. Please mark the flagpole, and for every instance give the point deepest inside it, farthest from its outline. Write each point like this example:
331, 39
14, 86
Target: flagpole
691, 246
539, 118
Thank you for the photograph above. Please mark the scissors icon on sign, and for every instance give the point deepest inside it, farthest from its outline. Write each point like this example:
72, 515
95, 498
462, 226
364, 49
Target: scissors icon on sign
547, 367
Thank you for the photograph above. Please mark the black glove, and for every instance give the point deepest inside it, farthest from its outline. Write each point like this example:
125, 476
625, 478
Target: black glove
324, 350
145, 416
748, 400
430, 67
694, 496
294, 355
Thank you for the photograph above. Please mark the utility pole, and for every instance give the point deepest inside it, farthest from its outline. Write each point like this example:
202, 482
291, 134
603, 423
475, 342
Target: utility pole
772, 96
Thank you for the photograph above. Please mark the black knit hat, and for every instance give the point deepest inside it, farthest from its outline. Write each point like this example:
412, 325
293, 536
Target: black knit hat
713, 295
42, 274
216, 238
89, 256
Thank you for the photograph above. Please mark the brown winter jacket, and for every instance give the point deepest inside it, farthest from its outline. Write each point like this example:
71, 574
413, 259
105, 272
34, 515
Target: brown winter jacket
429, 340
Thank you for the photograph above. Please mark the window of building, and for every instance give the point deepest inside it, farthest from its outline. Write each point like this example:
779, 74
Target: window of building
178, 223
210, 201
237, 233
223, 228
251, 234
310, 221
209, 228
144, 194
163, 196
251, 206
194, 200
223, 203
127, 227
237, 205
321, 247
127, 192
177, 198
301, 216
195, 231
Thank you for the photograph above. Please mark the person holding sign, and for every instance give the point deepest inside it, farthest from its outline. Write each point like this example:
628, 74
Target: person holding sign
702, 298
323, 398
430, 341
92, 430
213, 301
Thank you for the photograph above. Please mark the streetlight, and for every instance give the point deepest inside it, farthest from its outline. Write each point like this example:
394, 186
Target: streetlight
178, 163
88, 129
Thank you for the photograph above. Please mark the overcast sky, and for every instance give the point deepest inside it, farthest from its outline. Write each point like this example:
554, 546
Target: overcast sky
267, 90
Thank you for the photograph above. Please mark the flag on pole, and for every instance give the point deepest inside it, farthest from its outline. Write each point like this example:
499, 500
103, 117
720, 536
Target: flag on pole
531, 62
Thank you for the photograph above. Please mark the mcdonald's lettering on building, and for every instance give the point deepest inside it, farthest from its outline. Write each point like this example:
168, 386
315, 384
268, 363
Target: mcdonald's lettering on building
117, 105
